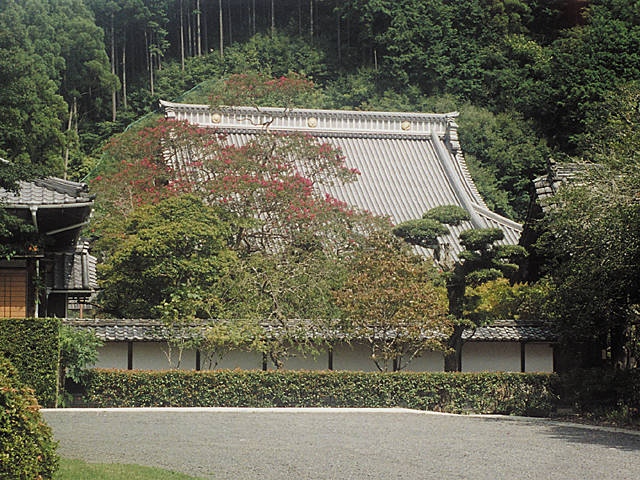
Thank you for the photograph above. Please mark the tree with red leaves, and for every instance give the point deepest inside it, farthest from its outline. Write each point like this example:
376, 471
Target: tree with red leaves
290, 237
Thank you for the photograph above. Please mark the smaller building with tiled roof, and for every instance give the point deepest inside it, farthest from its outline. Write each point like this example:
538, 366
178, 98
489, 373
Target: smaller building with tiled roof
543, 190
43, 279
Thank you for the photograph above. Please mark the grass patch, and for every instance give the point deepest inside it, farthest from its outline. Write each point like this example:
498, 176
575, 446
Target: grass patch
80, 470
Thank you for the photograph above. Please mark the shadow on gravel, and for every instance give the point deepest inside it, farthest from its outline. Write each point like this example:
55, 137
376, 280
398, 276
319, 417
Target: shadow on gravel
617, 440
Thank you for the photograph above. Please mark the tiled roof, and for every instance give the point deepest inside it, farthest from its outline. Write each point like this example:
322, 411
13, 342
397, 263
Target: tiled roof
155, 331
75, 270
558, 174
510, 331
47, 191
409, 162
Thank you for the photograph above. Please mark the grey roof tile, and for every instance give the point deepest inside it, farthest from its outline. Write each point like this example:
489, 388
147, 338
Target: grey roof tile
114, 330
409, 162
546, 186
511, 331
47, 191
75, 270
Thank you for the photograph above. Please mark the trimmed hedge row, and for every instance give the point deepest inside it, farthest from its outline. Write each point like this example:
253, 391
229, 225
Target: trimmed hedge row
601, 391
27, 447
32, 345
500, 393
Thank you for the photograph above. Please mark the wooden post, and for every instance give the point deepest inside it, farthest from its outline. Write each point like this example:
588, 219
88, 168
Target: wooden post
129, 355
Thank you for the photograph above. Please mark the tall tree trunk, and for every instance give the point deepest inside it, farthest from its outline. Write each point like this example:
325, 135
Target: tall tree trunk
273, 17
72, 110
190, 32
339, 36
147, 42
453, 358
198, 30
221, 27
456, 286
182, 35
124, 72
311, 19
114, 98
229, 24
253, 17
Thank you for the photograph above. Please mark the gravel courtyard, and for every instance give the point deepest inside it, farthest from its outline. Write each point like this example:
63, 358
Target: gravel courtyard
277, 444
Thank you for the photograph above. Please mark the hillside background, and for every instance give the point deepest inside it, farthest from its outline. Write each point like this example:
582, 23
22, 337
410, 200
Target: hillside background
530, 78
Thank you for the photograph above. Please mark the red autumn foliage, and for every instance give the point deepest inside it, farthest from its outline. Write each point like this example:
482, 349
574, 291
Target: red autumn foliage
274, 181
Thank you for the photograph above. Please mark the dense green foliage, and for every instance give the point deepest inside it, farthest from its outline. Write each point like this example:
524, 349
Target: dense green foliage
32, 346
31, 107
54, 66
169, 252
589, 239
78, 350
27, 449
505, 393
592, 245
610, 394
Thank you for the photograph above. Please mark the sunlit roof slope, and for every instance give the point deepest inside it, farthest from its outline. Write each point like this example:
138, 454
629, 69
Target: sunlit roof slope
409, 162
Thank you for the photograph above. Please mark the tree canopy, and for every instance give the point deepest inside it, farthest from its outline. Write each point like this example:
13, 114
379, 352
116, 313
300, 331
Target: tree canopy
483, 260
396, 301
174, 250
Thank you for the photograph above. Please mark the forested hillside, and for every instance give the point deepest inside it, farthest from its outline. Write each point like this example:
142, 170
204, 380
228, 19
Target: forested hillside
527, 76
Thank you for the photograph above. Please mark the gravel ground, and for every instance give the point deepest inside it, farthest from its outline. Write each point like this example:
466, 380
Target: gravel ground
277, 444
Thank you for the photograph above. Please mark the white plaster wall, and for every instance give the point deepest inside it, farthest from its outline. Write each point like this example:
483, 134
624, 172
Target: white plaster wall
491, 357
427, 362
476, 357
307, 362
153, 356
356, 357
538, 357
112, 355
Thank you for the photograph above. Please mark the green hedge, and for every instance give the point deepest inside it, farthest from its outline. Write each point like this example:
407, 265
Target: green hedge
600, 392
32, 345
27, 447
504, 393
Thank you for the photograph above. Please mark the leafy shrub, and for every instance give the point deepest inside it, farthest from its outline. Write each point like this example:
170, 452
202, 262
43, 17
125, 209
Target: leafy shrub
506, 393
27, 449
32, 346
602, 392
78, 349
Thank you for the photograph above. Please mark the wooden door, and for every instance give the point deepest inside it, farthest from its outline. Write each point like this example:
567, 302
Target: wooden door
13, 292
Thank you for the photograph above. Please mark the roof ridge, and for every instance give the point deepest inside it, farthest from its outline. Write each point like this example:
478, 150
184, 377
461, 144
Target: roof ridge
314, 121
67, 187
305, 111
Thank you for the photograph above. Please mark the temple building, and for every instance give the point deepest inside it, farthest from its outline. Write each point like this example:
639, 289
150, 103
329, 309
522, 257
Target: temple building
408, 164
